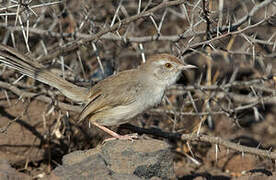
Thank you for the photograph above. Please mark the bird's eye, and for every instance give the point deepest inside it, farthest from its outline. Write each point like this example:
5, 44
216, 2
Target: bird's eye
168, 65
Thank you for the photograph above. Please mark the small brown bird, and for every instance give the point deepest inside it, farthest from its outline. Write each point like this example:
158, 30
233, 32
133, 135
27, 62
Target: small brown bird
114, 100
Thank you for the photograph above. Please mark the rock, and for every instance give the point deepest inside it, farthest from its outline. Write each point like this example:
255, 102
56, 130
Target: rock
7, 172
119, 159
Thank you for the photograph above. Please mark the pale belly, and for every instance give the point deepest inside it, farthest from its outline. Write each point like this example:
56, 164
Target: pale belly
123, 114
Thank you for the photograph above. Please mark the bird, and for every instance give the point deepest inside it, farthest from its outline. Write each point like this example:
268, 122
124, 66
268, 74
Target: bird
114, 100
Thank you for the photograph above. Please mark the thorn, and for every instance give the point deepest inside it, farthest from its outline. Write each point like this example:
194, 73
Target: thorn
193, 159
190, 149
216, 150
258, 146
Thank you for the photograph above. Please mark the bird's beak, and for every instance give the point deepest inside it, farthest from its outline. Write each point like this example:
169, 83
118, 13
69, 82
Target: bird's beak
187, 66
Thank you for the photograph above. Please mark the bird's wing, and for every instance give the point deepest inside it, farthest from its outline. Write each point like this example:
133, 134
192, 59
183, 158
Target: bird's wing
111, 92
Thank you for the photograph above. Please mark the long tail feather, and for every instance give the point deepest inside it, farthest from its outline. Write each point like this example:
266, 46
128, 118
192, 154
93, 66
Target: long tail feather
28, 66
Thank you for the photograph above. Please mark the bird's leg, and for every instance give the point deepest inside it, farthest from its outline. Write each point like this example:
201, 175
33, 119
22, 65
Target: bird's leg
115, 135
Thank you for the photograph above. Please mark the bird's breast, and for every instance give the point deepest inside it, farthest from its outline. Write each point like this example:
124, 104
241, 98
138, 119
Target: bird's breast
152, 97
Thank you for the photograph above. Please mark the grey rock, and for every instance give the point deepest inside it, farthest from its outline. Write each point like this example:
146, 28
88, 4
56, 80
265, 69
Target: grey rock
7, 172
119, 159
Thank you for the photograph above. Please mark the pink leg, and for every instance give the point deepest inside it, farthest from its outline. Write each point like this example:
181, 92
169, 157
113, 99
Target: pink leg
115, 135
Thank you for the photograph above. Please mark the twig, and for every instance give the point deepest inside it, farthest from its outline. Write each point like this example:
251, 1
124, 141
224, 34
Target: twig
201, 138
225, 86
228, 144
208, 22
4, 129
76, 44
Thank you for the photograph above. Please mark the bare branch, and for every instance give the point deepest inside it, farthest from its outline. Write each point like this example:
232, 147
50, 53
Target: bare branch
228, 144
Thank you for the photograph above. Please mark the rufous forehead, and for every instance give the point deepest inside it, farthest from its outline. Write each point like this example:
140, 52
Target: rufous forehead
165, 56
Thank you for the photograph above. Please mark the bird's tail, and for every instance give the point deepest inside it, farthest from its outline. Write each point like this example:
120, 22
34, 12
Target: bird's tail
28, 66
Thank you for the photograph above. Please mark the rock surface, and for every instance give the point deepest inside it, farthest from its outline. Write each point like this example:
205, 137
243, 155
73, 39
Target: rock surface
7, 172
119, 159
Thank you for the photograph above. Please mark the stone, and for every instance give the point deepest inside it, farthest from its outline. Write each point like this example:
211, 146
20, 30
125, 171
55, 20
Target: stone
119, 159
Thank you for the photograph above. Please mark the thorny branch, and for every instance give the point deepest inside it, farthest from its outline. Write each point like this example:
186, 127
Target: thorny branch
76, 44
261, 89
202, 138
239, 98
105, 35
228, 144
